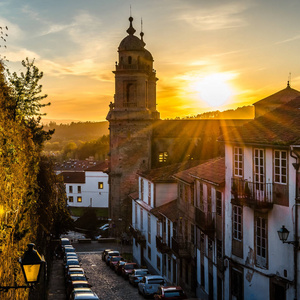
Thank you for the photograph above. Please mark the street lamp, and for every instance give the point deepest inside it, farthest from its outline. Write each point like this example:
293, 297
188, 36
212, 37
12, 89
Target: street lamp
283, 234
31, 266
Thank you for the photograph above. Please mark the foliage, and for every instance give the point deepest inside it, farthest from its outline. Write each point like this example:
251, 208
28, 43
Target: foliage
32, 201
88, 221
25, 105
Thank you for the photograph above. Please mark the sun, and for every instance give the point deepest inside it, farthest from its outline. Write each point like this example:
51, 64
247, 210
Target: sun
214, 89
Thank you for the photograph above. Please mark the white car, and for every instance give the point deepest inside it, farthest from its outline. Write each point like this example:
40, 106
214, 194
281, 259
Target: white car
104, 227
148, 286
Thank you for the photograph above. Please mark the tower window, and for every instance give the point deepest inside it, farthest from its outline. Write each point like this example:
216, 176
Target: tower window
162, 157
129, 60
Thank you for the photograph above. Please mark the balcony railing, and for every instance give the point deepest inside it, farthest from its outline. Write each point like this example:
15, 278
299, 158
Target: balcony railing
205, 220
161, 244
252, 194
182, 248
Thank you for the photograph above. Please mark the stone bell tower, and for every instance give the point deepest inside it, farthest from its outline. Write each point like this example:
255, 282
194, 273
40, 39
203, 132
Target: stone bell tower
131, 117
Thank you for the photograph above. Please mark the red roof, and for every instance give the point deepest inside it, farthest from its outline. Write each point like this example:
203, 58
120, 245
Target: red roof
168, 210
73, 177
103, 167
278, 127
212, 171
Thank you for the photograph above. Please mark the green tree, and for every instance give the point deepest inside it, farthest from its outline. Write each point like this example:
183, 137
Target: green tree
25, 105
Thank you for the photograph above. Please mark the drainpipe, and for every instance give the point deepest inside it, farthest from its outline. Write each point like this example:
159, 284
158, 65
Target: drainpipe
296, 166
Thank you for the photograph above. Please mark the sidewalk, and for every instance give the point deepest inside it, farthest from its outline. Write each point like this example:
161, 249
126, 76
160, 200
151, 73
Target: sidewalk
57, 289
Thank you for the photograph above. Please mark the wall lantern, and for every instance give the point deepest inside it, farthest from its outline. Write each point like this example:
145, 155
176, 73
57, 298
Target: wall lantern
283, 234
31, 263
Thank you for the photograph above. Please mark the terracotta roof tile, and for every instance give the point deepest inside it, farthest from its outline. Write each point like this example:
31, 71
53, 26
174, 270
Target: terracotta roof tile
212, 171
278, 127
73, 177
168, 210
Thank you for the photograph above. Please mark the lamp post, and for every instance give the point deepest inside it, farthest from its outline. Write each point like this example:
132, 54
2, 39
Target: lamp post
283, 235
31, 266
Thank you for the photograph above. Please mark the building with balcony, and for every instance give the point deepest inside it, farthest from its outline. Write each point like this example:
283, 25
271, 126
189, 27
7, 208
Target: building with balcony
262, 195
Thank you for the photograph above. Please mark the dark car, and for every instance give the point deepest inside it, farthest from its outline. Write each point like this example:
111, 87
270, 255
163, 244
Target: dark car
128, 268
110, 254
104, 253
118, 267
137, 275
170, 293
114, 260
76, 277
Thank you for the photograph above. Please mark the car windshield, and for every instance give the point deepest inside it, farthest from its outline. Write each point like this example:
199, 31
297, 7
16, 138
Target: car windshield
141, 273
156, 281
116, 258
169, 294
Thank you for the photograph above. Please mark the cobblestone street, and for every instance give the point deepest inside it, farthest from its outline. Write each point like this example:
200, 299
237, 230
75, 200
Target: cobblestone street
105, 282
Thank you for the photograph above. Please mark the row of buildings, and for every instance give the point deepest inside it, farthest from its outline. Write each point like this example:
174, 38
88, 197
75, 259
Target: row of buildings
209, 203
208, 198
213, 228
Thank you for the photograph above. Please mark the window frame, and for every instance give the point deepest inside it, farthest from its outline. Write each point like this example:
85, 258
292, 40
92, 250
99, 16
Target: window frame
100, 185
237, 222
79, 199
261, 240
238, 162
280, 167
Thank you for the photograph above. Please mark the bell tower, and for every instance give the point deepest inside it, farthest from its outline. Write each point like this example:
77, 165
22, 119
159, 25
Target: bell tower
131, 117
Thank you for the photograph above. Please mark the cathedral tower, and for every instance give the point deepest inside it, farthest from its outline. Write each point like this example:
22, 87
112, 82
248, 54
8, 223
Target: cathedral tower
131, 119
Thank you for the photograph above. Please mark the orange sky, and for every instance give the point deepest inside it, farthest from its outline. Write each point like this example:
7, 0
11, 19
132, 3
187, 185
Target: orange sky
208, 55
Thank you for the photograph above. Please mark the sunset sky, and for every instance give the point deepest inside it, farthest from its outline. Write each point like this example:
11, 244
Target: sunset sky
208, 55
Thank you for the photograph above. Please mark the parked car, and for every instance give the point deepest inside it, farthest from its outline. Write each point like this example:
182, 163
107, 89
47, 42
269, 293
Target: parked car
149, 285
65, 241
76, 284
80, 290
104, 253
128, 268
76, 277
137, 275
85, 296
104, 227
110, 254
118, 267
71, 262
170, 293
114, 260
74, 271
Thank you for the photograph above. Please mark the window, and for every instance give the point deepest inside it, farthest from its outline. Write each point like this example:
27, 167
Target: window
100, 185
149, 228
158, 228
135, 214
237, 222
79, 199
79, 189
202, 276
158, 262
201, 197
71, 199
259, 171
142, 189
237, 285
70, 189
149, 192
149, 252
238, 162
142, 221
129, 60
261, 236
192, 234
280, 166
219, 249
208, 199
162, 157
219, 203
202, 242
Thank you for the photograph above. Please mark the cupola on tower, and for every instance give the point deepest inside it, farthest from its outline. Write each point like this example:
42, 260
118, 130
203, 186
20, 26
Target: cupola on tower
131, 117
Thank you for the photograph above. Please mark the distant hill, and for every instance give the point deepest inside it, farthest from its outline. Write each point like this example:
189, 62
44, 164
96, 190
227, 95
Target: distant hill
245, 112
81, 131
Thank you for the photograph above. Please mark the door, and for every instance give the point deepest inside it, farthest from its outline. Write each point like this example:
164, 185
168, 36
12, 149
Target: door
259, 174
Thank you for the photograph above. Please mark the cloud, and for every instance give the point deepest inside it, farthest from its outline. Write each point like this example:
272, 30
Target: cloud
216, 18
294, 38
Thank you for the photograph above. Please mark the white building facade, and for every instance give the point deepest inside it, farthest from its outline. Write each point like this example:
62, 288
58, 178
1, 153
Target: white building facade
262, 195
88, 188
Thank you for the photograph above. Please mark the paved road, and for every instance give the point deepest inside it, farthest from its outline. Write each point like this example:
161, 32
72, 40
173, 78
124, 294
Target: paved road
105, 282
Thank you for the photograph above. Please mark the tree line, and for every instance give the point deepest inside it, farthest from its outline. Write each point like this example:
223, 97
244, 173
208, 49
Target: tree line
32, 198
